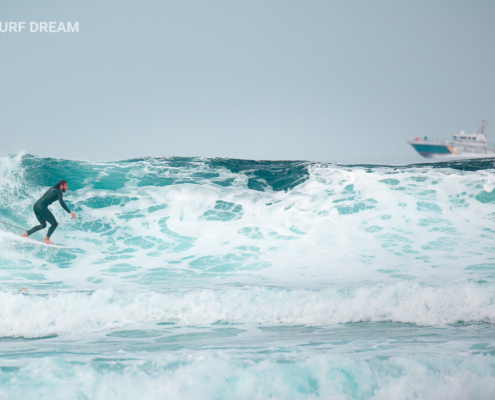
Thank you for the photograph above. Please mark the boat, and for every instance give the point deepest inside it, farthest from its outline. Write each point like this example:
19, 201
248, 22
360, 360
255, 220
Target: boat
473, 145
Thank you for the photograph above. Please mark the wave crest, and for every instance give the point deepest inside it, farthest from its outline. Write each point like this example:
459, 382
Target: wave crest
72, 313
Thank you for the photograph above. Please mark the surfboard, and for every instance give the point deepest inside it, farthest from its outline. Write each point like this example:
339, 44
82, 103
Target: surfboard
21, 239
55, 246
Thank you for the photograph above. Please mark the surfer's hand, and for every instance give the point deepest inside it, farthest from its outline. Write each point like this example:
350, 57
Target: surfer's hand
73, 215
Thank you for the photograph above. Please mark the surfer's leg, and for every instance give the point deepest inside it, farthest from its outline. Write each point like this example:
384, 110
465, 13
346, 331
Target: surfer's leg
52, 221
42, 225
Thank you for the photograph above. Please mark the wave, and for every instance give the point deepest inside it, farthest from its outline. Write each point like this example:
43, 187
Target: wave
211, 376
179, 222
32, 316
155, 171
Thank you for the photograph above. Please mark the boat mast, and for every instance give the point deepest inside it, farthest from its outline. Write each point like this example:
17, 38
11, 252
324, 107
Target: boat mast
483, 126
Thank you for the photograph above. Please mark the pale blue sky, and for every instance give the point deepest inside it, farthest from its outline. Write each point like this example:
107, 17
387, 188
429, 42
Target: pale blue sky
338, 81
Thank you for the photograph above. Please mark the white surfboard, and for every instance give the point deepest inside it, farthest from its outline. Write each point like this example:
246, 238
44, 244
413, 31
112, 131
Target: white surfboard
56, 246
20, 239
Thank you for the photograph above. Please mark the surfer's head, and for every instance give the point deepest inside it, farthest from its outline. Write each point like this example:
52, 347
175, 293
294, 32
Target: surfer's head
62, 185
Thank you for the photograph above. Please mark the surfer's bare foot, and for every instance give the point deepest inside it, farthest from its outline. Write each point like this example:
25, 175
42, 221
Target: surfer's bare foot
47, 241
25, 234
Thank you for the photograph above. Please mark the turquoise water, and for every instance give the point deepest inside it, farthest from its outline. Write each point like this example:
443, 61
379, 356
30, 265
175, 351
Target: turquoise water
217, 278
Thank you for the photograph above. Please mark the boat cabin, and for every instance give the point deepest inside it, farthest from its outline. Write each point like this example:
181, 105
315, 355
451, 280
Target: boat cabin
472, 137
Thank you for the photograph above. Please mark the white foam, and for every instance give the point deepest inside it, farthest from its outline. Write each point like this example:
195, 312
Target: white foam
343, 225
212, 376
74, 313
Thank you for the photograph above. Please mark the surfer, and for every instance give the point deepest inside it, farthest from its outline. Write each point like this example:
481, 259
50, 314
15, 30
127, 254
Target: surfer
44, 215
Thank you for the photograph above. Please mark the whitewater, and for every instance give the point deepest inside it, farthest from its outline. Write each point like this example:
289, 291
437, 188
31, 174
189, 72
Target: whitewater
198, 278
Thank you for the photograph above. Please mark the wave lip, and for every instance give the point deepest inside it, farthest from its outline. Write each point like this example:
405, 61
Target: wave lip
105, 309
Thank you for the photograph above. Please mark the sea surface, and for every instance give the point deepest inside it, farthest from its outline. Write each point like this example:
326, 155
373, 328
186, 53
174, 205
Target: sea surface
196, 278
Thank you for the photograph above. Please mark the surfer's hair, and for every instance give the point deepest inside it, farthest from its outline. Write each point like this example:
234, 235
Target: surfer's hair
62, 182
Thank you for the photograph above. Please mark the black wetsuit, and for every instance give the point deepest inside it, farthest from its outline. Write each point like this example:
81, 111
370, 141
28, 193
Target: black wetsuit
43, 213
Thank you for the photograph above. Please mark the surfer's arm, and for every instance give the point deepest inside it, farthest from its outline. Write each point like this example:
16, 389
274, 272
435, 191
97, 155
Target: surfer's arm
62, 202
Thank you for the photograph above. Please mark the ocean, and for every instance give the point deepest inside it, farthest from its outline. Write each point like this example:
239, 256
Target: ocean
197, 278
